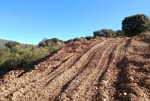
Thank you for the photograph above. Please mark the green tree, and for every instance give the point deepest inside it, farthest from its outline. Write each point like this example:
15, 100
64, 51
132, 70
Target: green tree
107, 32
97, 33
55, 40
11, 44
120, 33
76, 39
135, 24
89, 37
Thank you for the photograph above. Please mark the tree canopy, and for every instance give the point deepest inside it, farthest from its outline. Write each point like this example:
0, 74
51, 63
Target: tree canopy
135, 24
105, 33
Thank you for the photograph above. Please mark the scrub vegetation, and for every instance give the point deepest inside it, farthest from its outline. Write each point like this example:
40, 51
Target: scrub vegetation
17, 56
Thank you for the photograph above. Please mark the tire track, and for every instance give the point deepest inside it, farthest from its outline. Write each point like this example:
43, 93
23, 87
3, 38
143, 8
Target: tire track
73, 71
121, 65
74, 87
130, 85
95, 85
104, 86
62, 67
101, 73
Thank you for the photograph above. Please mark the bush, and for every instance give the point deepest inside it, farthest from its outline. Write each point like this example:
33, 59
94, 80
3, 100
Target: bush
11, 44
89, 37
135, 24
55, 40
50, 42
10, 64
120, 33
105, 33
76, 39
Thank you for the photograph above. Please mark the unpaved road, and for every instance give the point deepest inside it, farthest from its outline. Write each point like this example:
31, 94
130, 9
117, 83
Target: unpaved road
100, 70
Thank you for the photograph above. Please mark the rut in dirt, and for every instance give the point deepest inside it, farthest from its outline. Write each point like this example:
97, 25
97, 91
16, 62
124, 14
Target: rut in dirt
98, 69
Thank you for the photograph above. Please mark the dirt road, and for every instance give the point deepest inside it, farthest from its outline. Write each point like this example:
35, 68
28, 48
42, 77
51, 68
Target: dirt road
99, 69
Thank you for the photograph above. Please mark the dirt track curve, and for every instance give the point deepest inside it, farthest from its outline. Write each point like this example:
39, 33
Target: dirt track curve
99, 69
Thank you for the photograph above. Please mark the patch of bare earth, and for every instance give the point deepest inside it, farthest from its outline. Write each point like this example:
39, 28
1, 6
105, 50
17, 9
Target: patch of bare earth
100, 70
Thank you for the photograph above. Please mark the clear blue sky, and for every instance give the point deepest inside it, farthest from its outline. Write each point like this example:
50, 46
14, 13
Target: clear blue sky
29, 21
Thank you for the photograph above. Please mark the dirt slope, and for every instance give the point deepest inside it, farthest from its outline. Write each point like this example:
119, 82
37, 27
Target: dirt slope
103, 69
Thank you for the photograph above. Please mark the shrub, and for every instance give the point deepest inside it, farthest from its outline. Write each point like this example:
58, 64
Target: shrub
11, 44
120, 33
55, 40
89, 37
11, 64
50, 42
76, 39
105, 33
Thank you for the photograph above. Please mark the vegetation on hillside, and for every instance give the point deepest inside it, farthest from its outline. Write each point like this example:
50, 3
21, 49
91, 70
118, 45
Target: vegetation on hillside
14, 56
2, 42
131, 26
108, 33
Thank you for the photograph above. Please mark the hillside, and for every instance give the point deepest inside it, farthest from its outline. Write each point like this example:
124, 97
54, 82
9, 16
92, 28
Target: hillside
2, 42
98, 69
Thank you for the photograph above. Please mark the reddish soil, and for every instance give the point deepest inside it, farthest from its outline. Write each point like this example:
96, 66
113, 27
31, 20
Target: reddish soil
99, 69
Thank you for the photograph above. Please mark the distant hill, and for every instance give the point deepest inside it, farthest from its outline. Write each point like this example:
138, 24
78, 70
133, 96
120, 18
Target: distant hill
2, 42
